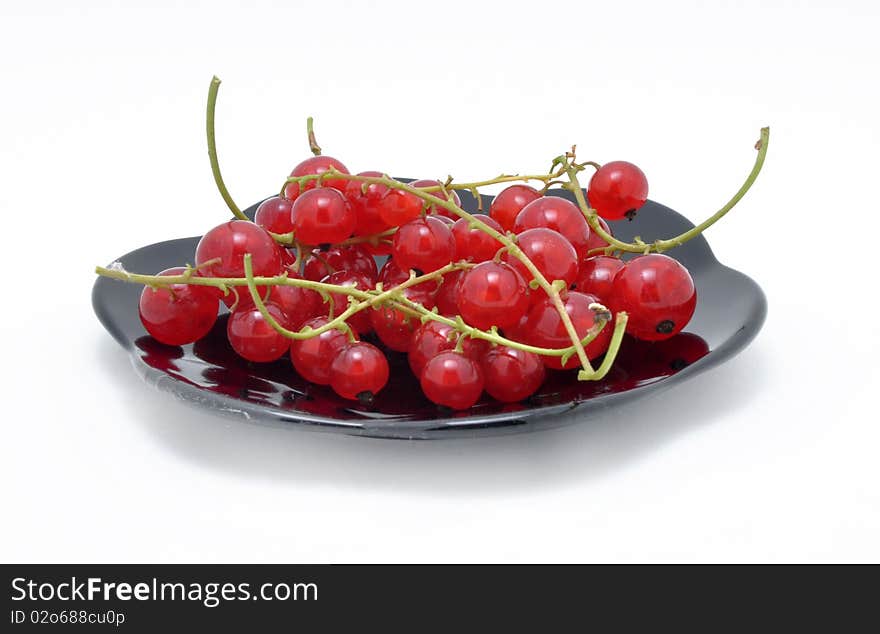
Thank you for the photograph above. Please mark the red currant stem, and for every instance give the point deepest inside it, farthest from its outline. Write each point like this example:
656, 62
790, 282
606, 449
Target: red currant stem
284, 239
287, 239
212, 150
459, 325
353, 306
459, 345
189, 270
374, 239
761, 146
550, 184
443, 187
331, 312
479, 197
611, 353
471, 187
325, 262
116, 272
659, 246
609, 250
476, 223
602, 316
313, 143
234, 291
503, 178
402, 303
569, 328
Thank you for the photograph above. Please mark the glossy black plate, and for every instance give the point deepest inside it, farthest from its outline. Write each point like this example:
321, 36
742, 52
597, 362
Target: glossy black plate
731, 309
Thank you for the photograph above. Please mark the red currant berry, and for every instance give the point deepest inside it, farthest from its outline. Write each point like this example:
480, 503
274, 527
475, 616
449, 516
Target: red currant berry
596, 242
366, 200
380, 249
509, 202
392, 275
253, 338
558, 214
424, 244
312, 357
399, 207
353, 258
492, 294
273, 215
617, 190
512, 375
229, 243
299, 304
359, 371
596, 276
544, 328
452, 380
446, 298
316, 165
475, 244
434, 337
658, 294
394, 328
360, 322
180, 313
322, 216
435, 209
551, 254
518, 331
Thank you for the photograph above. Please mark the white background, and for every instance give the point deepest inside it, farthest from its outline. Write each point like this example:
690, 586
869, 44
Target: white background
773, 456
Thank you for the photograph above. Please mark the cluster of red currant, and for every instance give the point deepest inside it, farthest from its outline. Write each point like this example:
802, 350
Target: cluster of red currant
477, 302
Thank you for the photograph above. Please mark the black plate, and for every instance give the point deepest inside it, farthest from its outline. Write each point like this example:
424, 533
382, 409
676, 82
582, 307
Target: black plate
730, 310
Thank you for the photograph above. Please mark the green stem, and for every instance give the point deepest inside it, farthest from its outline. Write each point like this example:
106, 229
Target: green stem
659, 246
224, 283
402, 303
503, 178
212, 151
459, 324
374, 239
611, 353
313, 143
288, 240
761, 146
